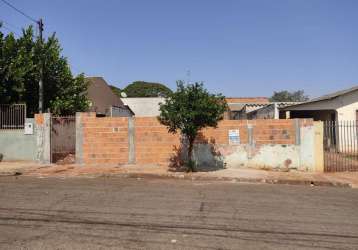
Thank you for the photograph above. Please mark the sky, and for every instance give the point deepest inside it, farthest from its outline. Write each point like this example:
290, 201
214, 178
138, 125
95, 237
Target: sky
236, 47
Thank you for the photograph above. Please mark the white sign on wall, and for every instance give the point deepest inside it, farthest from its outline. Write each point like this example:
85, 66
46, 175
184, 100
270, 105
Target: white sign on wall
234, 136
29, 128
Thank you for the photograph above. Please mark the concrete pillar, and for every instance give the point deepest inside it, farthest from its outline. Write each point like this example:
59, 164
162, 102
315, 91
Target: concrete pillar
319, 151
131, 140
297, 131
307, 147
43, 137
79, 139
250, 140
276, 111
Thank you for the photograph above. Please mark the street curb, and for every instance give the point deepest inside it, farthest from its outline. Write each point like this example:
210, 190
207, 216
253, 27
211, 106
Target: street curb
235, 179
7, 174
193, 177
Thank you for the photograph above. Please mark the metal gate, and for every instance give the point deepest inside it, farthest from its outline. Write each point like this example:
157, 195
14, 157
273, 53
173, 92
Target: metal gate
340, 146
63, 139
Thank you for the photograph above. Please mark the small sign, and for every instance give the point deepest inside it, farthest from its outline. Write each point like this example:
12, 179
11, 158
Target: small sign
234, 137
29, 128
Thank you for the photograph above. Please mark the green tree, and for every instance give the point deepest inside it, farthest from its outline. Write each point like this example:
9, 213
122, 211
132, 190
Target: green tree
286, 96
116, 90
188, 110
146, 89
20, 60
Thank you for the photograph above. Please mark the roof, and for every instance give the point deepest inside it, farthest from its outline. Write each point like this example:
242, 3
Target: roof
101, 95
144, 106
240, 106
334, 95
236, 106
247, 99
278, 104
327, 97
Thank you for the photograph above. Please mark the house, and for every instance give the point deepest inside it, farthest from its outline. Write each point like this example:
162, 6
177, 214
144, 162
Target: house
144, 106
272, 110
339, 106
238, 107
103, 101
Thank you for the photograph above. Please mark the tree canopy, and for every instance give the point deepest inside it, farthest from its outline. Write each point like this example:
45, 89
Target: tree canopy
116, 90
189, 109
20, 60
146, 89
286, 96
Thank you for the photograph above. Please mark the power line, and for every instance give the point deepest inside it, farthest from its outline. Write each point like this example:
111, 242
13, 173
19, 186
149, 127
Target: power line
20, 11
10, 30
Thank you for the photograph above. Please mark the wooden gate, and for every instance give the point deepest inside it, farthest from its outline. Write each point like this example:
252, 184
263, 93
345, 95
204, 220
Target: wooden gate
340, 146
63, 139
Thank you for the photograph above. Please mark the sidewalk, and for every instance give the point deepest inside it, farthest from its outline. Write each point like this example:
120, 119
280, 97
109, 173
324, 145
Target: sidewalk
343, 179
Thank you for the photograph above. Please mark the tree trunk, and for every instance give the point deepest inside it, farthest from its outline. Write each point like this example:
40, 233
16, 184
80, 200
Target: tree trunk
191, 163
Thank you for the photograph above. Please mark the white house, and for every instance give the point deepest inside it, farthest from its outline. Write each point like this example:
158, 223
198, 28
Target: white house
339, 106
339, 111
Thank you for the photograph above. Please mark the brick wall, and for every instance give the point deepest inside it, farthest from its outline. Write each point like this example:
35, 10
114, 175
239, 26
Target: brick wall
220, 135
105, 140
273, 131
153, 143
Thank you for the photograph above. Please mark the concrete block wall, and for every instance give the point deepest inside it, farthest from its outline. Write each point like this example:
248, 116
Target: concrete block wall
263, 143
16, 146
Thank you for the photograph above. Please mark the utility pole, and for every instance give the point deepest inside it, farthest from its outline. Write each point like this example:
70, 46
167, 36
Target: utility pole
41, 84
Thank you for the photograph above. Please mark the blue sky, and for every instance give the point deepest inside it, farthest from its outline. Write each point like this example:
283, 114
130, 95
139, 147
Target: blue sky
238, 48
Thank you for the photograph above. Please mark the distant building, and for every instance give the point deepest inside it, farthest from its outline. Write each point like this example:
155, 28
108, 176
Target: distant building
144, 106
250, 108
103, 101
238, 107
272, 110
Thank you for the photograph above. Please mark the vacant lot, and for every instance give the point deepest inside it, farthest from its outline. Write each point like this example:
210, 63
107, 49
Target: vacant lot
120, 213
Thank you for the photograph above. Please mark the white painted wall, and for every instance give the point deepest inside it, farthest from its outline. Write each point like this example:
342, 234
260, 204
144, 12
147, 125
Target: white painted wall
144, 106
347, 106
346, 116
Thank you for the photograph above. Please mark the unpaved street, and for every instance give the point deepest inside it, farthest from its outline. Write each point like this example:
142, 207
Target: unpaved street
124, 213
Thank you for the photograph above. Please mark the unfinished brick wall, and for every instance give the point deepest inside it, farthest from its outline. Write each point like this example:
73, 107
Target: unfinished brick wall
105, 140
220, 135
273, 131
153, 143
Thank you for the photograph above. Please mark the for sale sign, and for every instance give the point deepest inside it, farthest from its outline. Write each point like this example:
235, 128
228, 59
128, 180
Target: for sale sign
234, 136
